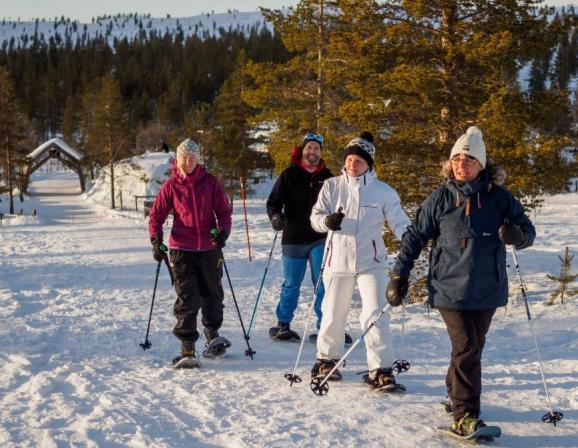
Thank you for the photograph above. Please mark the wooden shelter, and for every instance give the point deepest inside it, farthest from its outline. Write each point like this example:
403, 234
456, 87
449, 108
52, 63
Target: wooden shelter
55, 148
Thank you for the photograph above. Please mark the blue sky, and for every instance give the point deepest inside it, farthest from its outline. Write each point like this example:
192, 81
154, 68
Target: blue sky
85, 10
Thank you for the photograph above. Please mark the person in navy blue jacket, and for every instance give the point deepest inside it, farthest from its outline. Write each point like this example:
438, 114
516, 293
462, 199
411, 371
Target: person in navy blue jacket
470, 220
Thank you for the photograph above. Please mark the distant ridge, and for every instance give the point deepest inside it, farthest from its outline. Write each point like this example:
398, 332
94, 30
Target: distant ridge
130, 26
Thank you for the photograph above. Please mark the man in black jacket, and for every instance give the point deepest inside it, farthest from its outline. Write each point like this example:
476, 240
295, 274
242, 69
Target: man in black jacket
289, 207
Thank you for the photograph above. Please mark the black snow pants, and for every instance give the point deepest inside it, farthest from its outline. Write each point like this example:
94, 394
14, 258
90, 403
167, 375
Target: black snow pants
467, 330
198, 286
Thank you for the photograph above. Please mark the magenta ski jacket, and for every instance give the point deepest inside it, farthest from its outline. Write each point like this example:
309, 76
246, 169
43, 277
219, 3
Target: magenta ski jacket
198, 203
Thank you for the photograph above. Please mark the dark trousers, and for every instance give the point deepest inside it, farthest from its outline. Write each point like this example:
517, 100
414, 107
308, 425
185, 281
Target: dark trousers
467, 331
198, 286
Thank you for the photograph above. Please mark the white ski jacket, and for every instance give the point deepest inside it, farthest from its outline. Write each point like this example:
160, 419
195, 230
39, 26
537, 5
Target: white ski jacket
367, 202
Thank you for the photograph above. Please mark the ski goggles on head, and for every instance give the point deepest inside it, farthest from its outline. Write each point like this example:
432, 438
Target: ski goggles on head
310, 136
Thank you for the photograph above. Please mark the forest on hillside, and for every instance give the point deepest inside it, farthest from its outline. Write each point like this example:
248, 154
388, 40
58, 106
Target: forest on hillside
414, 73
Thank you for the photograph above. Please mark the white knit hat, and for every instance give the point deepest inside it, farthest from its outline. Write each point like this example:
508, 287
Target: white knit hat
471, 144
189, 146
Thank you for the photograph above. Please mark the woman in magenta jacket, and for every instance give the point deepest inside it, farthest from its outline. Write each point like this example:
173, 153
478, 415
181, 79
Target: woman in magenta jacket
198, 204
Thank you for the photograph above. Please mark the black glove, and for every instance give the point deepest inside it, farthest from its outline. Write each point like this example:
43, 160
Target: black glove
511, 234
333, 221
218, 238
278, 221
159, 249
397, 290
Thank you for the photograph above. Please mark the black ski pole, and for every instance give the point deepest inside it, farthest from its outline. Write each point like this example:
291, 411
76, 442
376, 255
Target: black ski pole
249, 352
147, 344
319, 386
552, 416
262, 283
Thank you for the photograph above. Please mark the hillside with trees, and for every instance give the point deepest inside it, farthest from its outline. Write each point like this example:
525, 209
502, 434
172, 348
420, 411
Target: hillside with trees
416, 74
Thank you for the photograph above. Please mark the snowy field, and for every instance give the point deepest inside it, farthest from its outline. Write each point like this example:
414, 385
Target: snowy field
75, 291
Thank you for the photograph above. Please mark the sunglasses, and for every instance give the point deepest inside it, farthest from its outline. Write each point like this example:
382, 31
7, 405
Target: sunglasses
315, 137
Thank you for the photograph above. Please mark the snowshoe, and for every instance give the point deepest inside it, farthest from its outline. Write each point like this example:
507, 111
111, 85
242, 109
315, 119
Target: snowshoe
186, 362
382, 380
322, 367
282, 332
313, 338
216, 347
471, 428
187, 359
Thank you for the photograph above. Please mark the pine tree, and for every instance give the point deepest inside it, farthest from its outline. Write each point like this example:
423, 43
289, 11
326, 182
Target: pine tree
70, 120
107, 137
301, 94
563, 280
232, 153
13, 138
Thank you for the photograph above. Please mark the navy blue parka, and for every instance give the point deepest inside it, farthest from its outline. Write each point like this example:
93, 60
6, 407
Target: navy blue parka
467, 268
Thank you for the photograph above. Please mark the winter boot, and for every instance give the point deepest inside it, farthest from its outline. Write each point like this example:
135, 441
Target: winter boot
283, 332
382, 380
210, 334
187, 359
216, 345
322, 368
468, 425
313, 338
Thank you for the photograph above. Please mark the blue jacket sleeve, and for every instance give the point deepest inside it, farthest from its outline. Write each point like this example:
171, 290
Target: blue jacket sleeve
423, 228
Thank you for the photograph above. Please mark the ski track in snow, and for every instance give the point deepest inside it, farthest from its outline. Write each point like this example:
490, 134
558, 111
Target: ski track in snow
75, 293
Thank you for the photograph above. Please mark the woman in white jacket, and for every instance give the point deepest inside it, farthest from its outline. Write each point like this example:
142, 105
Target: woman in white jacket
354, 207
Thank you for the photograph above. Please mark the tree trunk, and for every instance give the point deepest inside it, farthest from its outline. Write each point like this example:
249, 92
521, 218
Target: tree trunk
9, 175
448, 69
320, 61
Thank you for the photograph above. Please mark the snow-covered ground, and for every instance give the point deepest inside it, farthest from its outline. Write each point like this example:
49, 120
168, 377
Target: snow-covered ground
75, 292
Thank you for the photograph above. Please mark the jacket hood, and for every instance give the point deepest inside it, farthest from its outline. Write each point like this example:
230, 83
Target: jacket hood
297, 156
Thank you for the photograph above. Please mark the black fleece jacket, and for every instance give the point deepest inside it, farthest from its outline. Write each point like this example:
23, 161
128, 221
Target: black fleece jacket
294, 194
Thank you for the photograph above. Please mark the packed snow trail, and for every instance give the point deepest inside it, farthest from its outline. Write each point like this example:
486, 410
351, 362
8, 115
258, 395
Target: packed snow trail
74, 302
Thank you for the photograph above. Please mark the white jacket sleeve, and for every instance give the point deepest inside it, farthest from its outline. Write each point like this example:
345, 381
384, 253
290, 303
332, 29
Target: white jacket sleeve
321, 209
394, 214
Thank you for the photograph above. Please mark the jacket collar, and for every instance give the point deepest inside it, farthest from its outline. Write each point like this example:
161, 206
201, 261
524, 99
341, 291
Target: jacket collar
360, 181
470, 188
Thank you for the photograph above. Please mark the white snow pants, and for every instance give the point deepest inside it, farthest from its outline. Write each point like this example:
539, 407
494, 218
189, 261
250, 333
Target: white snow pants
335, 308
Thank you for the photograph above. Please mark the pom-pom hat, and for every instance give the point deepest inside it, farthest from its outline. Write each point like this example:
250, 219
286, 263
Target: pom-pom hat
471, 144
363, 147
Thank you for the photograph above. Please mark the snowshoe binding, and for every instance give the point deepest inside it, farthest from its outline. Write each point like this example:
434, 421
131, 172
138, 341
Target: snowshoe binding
322, 367
283, 332
187, 359
382, 380
313, 338
473, 429
216, 345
